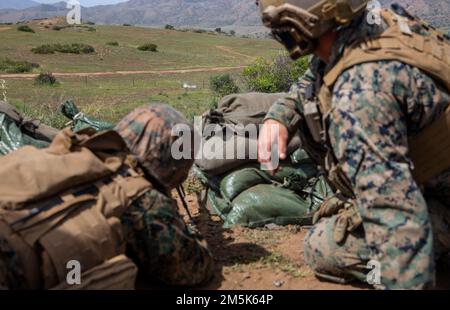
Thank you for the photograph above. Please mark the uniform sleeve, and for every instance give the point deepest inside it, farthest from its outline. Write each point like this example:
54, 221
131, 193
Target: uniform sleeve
163, 245
374, 107
286, 110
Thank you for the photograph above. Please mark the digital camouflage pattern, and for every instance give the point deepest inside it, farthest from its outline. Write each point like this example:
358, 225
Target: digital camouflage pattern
11, 275
147, 132
161, 244
158, 240
375, 108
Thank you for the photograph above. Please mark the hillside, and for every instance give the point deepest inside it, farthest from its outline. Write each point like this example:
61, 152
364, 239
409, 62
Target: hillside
119, 74
197, 13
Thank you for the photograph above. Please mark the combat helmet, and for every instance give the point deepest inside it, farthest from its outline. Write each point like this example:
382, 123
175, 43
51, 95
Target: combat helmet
147, 131
298, 23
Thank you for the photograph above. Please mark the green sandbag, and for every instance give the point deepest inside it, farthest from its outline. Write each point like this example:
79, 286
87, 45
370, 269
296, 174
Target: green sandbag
291, 177
301, 157
238, 181
12, 138
317, 193
80, 120
263, 204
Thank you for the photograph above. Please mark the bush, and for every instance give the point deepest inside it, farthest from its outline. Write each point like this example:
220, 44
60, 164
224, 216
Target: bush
58, 28
274, 76
112, 43
92, 29
25, 28
9, 66
44, 49
74, 48
45, 79
169, 27
148, 47
126, 25
223, 85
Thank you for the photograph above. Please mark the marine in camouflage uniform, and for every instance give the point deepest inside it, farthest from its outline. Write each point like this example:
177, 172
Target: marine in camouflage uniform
158, 240
376, 107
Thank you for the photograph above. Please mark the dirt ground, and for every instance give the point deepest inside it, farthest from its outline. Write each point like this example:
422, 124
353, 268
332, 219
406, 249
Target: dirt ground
263, 259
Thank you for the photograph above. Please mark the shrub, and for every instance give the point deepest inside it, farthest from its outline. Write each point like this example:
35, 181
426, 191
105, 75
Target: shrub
169, 27
223, 85
58, 28
92, 29
148, 47
274, 76
46, 78
44, 49
218, 30
9, 66
74, 48
25, 28
112, 43
126, 25
90, 23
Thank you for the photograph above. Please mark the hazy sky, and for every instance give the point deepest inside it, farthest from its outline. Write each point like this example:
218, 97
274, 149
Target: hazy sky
86, 2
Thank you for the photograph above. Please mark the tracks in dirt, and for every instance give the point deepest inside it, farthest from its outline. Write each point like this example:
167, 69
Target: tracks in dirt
123, 73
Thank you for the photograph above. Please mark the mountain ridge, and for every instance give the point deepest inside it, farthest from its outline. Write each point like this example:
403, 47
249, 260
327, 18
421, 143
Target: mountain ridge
198, 13
17, 4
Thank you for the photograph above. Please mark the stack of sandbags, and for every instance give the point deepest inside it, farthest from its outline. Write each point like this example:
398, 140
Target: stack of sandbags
243, 194
251, 197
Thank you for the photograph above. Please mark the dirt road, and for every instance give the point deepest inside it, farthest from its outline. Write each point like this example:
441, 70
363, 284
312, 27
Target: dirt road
119, 73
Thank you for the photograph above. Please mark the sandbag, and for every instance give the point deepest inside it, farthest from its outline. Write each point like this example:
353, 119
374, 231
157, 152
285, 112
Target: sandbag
238, 109
244, 109
294, 178
80, 121
264, 204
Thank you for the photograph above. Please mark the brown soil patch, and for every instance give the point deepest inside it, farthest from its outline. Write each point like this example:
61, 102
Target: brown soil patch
264, 259
119, 73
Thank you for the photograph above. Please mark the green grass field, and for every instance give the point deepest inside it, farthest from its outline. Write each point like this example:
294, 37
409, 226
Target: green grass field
112, 96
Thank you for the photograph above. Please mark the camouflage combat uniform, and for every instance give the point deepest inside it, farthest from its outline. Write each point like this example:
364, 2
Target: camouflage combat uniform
158, 240
376, 106
162, 245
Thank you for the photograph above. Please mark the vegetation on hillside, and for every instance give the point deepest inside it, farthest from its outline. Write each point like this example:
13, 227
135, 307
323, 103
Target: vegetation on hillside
148, 47
9, 66
45, 78
25, 28
223, 85
74, 48
272, 76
